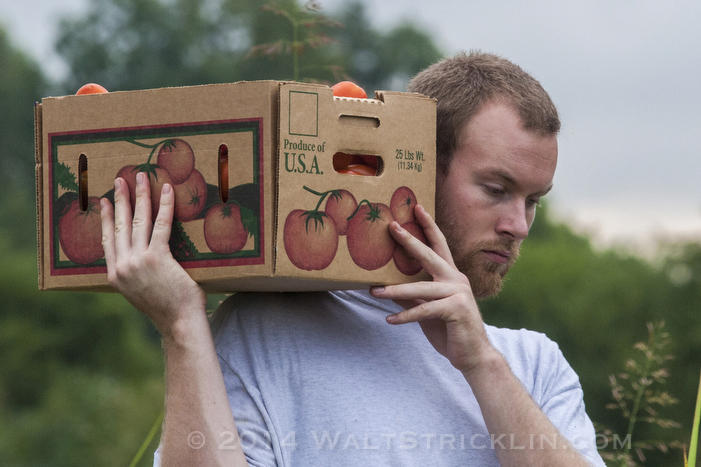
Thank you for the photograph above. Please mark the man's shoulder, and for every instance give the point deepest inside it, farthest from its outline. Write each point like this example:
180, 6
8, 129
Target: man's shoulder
519, 339
534, 358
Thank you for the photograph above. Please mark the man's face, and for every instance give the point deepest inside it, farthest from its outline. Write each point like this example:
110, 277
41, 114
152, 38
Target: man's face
486, 201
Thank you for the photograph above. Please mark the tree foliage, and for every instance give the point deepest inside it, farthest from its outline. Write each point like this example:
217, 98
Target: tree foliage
596, 304
137, 44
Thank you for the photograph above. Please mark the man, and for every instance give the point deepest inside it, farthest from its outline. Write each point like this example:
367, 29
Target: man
403, 375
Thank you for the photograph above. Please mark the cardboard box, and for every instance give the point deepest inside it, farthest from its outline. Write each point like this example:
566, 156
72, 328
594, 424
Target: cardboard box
279, 138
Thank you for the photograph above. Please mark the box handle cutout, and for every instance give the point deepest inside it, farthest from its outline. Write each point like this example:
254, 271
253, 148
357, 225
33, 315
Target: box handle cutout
359, 121
83, 182
223, 165
357, 164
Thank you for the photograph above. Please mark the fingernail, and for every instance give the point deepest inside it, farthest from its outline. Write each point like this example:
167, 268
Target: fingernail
139, 178
117, 183
377, 289
391, 318
398, 227
166, 188
103, 204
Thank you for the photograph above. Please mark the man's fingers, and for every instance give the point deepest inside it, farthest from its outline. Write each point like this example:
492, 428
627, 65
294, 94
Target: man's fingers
433, 234
107, 216
164, 219
122, 217
435, 309
434, 264
141, 225
425, 290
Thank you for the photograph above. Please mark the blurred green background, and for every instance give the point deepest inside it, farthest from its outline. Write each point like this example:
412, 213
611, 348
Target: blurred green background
81, 378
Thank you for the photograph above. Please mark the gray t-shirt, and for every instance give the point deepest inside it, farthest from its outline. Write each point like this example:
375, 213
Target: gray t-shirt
322, 379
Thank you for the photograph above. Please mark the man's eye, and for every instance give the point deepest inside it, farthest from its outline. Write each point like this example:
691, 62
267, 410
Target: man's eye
494, 190
533, 202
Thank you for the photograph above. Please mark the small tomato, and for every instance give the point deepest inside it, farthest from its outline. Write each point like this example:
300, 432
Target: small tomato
358, 169
91, 88
348, 89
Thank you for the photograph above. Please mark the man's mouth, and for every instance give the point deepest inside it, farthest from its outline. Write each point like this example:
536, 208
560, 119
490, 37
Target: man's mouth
498, 256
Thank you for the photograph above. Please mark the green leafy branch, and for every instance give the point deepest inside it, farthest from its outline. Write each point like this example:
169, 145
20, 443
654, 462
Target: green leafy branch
306, 24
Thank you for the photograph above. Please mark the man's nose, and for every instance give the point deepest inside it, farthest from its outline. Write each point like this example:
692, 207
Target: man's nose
514, 221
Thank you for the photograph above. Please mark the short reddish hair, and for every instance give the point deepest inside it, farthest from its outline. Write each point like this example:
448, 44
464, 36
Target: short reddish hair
463, 83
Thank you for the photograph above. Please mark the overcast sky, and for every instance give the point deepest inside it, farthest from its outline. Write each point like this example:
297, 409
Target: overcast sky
625, 76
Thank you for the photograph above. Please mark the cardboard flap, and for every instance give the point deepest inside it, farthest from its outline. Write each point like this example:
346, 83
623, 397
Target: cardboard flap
39, 191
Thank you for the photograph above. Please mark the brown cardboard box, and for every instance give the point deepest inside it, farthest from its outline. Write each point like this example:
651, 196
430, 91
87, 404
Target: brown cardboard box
279, 138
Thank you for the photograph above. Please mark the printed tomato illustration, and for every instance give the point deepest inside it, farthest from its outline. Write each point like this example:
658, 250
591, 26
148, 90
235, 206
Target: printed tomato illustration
80, 232
310, 239
405, 263
128, 173
340, 205
190, 196
402, 205
157, 178
177, 158
348, 89
369, 242
224, 232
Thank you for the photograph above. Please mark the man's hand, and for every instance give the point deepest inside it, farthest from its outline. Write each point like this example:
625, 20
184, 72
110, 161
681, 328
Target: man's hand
141, 266
445, 307
139, 262
447, 312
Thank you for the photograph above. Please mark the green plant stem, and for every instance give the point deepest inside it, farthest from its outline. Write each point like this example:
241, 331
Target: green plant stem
295, 55
638, 398
147, 441
634, 413
693, 444
143, 145
152, 147
322, 196
155, 146
312, 191
358, 208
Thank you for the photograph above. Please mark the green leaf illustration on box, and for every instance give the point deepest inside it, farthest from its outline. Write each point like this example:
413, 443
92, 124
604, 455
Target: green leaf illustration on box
65, 178
180, 244
250, 221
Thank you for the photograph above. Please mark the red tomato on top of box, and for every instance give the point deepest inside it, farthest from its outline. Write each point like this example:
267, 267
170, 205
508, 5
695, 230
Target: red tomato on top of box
259, 204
